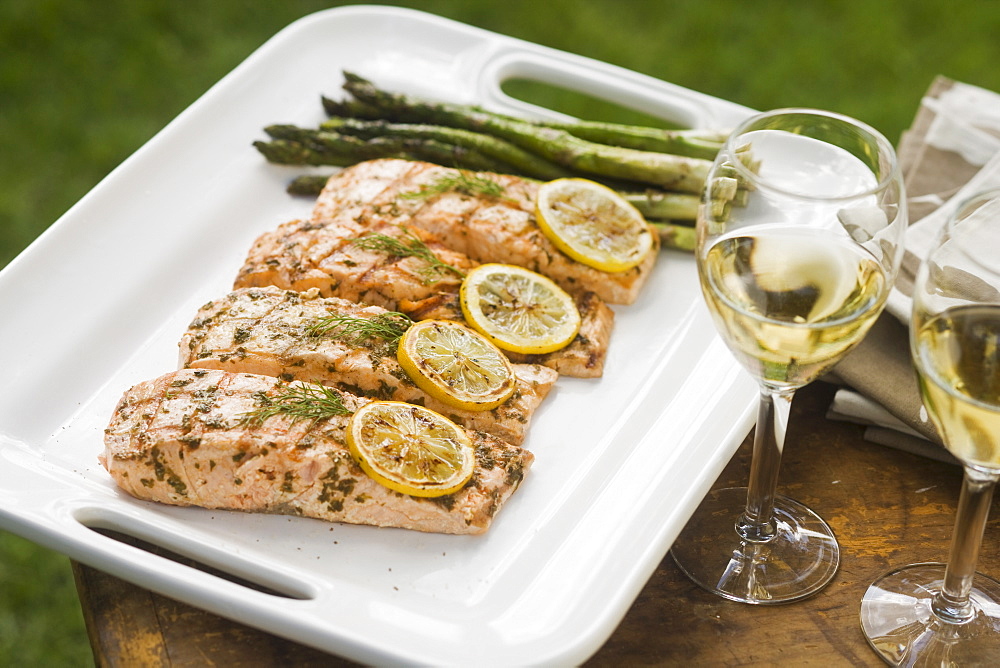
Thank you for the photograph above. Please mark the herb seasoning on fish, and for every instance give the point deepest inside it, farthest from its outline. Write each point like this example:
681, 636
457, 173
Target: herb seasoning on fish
412, 246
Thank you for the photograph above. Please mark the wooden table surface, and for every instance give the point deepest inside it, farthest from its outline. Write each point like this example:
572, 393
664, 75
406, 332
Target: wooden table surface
887, 508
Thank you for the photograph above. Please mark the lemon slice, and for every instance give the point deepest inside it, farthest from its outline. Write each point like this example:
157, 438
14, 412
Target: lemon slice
593, 224
519, 310
410, 449
456, 365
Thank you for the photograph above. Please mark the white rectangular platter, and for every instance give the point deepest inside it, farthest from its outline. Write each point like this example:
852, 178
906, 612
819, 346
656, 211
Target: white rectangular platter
99, 301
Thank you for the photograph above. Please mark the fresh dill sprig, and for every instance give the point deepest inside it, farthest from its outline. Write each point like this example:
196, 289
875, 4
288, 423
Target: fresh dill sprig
353, 330
461, 181
409, 246
298, 401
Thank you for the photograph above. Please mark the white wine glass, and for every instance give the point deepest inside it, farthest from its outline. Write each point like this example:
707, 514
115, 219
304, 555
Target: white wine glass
799, 241
932, 614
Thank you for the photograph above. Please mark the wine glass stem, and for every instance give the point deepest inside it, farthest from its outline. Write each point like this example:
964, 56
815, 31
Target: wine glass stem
952, 602
757, 522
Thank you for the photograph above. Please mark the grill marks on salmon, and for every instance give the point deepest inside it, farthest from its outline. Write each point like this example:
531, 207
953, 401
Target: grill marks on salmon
264, 331
302, 255
486, 229
179, 439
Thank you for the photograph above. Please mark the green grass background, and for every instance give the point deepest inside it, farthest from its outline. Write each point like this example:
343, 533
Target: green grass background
84, 84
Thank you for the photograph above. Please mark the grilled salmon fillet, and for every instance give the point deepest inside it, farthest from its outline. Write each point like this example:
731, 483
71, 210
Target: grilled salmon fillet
485, 228
178, 439
301, 255
265, 331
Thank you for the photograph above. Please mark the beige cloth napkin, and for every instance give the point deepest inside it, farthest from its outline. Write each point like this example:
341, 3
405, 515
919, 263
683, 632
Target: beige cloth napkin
951, 151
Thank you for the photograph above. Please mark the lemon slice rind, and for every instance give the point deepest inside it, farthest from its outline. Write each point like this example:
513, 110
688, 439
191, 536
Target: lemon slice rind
410, 449
456, 365
519, 310
593, 224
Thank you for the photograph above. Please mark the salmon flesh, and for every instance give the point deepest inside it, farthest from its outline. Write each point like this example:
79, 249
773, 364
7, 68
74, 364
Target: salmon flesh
302, 255
179, 439
267, 331
486, 228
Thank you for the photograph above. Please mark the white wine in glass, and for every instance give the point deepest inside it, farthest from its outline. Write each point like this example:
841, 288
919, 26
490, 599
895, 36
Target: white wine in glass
799, 241
932, 614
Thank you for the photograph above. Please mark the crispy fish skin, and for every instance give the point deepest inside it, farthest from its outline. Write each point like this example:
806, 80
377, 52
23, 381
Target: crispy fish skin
485, 228
264, 331
178, 439
302, 255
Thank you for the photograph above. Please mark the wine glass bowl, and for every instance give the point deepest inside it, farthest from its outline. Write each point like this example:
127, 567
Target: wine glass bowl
947, 614
799, 238
800, 270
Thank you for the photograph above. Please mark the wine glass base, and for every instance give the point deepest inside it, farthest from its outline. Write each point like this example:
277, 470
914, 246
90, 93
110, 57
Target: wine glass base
797, 562
898, 621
